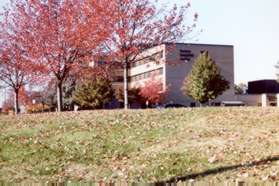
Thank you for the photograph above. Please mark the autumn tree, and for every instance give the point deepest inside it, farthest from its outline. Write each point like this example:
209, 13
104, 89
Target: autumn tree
61, 34
153, 91
14, 76
204, 82
9, 102
139, 25
16, 68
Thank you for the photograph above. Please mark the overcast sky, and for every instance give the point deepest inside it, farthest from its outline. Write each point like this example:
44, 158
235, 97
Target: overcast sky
252, 26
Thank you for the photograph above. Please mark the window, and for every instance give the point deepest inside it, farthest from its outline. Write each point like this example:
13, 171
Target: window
152, 58
216, 104
161, 54
101, 62
161, 71
118, 79
193, 104
146, 75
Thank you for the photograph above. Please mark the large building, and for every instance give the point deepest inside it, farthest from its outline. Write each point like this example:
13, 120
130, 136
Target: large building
172, 62
261, 93
266, 86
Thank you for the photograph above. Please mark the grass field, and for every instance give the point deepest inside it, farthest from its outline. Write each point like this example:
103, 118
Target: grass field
142, 145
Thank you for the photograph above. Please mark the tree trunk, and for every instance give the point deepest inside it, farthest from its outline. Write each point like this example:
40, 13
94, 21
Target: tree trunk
59, 97
126, 102
16, 102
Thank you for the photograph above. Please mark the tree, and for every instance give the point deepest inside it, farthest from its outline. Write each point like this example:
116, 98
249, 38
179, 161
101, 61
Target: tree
153, 91
16, 69
139, 25
133, 95
93, 93
204, 82
61, 33
13, 74
240, 88
48, 92
68, 93
9, 102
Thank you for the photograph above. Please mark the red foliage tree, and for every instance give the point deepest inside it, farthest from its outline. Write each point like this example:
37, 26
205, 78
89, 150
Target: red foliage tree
61, 34
140, 24
13, 74
16, 68
9, 102
153, 91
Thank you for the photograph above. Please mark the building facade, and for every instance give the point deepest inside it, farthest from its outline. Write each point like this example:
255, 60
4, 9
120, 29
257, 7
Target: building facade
263, 93
170, 63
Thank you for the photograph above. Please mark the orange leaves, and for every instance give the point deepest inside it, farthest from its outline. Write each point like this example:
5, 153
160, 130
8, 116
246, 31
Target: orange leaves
60, 33
51, 38
153, 91
16, 65
141, 24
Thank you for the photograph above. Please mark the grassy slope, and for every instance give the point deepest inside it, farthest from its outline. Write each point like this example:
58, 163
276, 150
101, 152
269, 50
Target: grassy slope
145, 145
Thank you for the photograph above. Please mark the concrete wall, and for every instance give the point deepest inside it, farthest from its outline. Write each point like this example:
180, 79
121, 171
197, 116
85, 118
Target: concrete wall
158, 63
177, 70
250, 100
264, 100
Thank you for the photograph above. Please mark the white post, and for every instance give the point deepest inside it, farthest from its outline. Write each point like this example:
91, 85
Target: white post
277, 99
76, 108
264, 100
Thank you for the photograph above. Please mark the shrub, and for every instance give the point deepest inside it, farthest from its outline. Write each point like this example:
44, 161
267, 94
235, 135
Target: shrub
94, 93
204, 82
133, 95
37, 108
153, 91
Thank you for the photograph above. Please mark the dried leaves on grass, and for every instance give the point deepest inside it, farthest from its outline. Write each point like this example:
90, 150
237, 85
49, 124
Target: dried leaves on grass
142, 145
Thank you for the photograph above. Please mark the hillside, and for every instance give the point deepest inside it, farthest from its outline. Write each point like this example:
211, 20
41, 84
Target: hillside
141, 145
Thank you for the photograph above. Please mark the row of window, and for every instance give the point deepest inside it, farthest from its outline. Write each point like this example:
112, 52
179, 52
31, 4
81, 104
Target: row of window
146, 75
185, 55
156, 57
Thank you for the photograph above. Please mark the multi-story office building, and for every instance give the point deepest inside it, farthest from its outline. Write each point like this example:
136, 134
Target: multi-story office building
170, 63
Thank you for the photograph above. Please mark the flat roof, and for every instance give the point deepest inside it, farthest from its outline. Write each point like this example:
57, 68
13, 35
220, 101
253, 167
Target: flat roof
204, 44
262, 80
